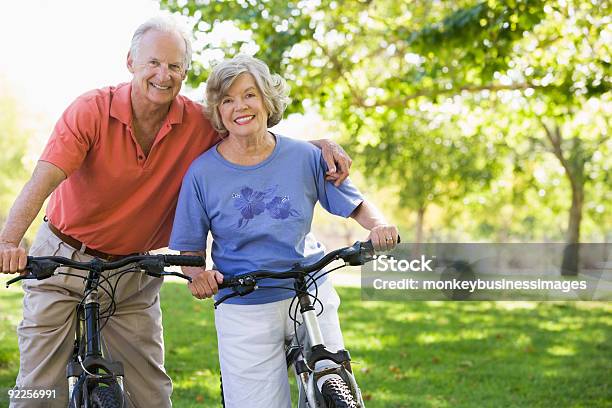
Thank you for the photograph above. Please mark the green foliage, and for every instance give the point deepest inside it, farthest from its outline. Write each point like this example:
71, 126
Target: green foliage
429, 165
10, 304
469, 46
14, 136
273, 26
395, 77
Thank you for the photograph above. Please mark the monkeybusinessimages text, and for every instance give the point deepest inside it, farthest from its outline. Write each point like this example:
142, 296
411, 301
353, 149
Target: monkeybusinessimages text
424, 264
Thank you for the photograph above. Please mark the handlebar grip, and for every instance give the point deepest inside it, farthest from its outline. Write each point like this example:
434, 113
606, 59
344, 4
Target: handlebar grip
184, 260
370, 247
29, 275
228, 283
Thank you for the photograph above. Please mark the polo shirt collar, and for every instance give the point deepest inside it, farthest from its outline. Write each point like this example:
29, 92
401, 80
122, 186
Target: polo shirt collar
121, 106
175, 114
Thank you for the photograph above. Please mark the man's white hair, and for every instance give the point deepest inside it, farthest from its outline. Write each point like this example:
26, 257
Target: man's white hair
165, 25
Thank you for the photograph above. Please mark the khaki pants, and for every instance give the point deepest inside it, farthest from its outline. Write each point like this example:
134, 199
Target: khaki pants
133, 335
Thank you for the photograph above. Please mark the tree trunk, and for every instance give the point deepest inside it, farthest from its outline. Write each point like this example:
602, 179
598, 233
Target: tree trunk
575, 216
573, 162
571, 254
419, 225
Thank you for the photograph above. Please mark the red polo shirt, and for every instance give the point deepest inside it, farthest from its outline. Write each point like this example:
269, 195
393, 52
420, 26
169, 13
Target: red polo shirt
115, 199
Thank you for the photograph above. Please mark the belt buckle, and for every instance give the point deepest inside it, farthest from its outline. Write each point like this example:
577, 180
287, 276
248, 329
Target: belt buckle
112, 258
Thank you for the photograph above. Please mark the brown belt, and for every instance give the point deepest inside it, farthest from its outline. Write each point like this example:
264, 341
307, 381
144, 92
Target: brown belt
76, 244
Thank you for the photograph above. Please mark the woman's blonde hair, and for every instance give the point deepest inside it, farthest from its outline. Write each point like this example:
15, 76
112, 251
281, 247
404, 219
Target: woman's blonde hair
273, 87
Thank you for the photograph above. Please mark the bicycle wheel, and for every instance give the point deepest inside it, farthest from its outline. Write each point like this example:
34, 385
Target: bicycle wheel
107, 397
337, 394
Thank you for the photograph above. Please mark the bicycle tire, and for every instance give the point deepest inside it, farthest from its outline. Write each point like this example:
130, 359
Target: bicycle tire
337, 394
106, 397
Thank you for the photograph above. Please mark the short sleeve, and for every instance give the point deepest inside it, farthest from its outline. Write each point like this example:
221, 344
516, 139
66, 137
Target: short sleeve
73, 135
191, 221
341, 200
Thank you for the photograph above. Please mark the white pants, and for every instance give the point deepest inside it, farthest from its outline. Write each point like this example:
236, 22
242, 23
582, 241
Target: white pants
251, 348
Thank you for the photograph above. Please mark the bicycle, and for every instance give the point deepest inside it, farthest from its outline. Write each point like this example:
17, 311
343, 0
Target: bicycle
93, 380
339, 389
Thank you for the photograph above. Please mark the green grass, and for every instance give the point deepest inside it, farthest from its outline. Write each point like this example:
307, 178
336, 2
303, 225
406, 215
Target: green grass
410, 354
10, 314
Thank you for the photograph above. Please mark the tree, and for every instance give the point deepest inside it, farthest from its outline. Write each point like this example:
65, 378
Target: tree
380, 70
14, 137
316, 52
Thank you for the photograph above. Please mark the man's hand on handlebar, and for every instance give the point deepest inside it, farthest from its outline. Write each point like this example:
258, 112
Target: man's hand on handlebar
13, 258
204, 283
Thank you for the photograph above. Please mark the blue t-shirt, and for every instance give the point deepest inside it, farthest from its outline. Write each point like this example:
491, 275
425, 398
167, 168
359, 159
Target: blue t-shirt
259, 216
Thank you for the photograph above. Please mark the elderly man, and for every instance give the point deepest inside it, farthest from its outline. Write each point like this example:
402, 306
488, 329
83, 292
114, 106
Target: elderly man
113, 167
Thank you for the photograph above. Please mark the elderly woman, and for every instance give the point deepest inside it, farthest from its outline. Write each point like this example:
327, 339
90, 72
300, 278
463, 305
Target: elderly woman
256, 192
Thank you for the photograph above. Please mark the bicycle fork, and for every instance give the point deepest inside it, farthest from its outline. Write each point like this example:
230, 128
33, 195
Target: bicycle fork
305, 366
91, 350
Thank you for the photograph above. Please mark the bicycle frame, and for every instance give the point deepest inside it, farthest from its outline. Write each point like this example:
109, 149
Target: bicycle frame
305, 353
87, 361
88, 368
312, 349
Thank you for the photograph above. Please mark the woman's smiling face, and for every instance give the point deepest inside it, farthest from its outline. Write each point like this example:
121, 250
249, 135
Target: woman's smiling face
242, 108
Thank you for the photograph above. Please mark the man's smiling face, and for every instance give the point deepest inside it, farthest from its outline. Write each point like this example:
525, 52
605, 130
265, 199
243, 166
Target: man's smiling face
158, 67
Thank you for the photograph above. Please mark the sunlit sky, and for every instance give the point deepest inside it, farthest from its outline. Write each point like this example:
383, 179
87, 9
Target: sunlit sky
53, 51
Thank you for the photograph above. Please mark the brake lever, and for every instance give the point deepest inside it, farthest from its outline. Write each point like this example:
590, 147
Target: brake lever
367, 247
224, 298
152, 267
17, 279
180, 275
39, 269
367, 252
358, 254
243, 286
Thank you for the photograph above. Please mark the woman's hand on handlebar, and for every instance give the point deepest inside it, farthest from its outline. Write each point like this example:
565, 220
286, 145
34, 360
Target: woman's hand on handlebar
384, 237
204, 283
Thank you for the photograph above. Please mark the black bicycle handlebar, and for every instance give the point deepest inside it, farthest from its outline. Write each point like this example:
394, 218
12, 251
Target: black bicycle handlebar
44, 267
357, 254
